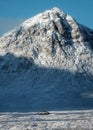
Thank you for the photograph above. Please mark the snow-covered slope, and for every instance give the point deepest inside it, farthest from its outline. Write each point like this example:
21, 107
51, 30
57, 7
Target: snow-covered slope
47, 63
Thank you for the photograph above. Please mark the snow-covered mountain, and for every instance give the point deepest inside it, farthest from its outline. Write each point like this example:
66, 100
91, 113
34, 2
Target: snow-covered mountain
46, 64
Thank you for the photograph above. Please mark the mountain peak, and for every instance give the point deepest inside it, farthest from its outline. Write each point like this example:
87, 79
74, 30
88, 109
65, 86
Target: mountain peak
44, 17
56, 9
48, 38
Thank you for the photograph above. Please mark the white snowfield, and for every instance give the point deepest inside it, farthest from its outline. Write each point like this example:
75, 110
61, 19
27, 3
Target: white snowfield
46, 64
56, 120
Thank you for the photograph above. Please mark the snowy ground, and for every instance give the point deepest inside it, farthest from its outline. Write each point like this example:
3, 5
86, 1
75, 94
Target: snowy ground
56, 120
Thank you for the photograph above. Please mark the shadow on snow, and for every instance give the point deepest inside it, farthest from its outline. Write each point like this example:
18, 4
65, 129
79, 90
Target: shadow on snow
26, 87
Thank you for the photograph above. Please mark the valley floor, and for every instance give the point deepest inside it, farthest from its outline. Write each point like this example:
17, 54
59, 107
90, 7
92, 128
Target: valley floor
54, 120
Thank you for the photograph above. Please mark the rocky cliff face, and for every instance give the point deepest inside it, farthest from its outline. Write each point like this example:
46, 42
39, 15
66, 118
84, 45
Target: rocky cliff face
53, 41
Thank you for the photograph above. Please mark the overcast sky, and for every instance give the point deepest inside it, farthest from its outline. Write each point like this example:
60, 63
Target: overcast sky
13, 12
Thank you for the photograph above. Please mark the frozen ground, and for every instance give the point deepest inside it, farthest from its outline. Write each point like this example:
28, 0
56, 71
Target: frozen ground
56, 120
